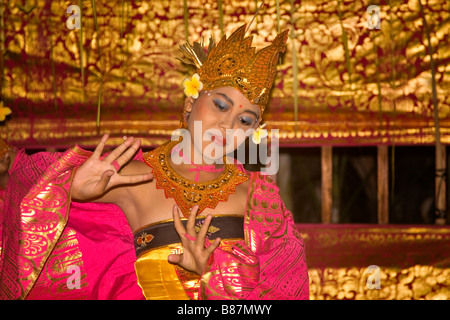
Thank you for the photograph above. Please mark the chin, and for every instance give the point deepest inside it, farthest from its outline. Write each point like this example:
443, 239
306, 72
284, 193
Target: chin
209, 153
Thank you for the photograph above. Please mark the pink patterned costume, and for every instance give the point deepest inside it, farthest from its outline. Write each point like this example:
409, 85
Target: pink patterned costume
55, 249
270, 264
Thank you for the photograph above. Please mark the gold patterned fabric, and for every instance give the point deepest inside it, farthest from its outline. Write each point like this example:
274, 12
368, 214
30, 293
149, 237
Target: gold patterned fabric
341, 80
161, 280
53, 248
34, 219
53, 280
157, 277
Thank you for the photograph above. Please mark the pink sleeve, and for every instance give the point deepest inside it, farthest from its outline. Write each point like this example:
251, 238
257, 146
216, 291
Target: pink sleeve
270, 264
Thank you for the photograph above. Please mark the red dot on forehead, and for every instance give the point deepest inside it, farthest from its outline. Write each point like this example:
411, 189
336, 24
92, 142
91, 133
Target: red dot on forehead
240, 106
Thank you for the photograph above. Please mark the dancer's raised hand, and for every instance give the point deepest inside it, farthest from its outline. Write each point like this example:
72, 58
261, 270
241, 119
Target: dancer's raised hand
96, 175
195, 254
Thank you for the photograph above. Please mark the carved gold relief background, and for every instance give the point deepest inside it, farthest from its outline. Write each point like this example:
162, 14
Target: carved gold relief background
413, 283
413, 261
339, 81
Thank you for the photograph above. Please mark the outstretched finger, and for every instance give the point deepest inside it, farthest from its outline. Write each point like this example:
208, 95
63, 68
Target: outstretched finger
132, 178
204, 230
212, 247
119, 150
190, 226
177, 222
129, 153
99, 149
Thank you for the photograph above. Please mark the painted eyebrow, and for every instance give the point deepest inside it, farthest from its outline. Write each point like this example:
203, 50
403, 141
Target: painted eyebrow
252, 112
226, 98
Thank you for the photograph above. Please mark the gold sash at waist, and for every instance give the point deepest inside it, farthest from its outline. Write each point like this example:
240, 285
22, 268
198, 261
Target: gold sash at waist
161, 280
157, 277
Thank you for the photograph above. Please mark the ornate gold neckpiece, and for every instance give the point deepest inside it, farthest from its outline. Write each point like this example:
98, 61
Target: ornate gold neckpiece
185, 192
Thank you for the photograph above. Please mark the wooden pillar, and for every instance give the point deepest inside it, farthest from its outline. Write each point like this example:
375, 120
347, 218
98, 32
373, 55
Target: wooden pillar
441, 169
327, 183
383, 185
440, 189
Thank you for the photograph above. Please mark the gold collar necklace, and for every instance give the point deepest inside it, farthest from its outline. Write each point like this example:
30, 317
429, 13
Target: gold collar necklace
187, 193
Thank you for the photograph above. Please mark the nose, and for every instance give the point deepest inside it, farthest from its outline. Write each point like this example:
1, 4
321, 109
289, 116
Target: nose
226, 122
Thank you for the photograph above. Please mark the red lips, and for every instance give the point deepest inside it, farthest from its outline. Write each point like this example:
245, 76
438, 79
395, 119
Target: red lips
219, 140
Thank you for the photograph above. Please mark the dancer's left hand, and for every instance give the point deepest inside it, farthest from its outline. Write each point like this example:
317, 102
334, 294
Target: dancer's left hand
195, 255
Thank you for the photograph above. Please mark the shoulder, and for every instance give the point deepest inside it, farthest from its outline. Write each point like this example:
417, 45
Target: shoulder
136, 167
261, 183
243, 187
247, 186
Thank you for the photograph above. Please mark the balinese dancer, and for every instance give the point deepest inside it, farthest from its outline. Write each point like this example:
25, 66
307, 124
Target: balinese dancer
238, 240
203, 226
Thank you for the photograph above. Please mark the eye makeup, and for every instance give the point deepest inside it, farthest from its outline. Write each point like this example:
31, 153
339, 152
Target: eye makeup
222, 102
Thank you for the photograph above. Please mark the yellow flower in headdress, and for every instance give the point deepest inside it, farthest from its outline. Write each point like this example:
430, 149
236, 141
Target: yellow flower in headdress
192, 86
4, 111
259, 134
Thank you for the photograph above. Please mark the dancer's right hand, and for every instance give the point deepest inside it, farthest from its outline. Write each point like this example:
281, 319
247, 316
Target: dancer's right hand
96, 176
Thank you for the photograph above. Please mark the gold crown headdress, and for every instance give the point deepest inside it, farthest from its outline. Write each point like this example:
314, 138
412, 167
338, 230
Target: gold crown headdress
233, 62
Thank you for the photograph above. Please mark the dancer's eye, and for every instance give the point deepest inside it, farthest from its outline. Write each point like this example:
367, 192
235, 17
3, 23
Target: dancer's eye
246, 121
221, 105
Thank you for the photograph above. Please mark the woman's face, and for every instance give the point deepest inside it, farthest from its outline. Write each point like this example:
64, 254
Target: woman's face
220, 120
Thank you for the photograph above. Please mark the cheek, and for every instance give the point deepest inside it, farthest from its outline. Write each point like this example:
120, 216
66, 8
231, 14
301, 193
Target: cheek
238, 139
